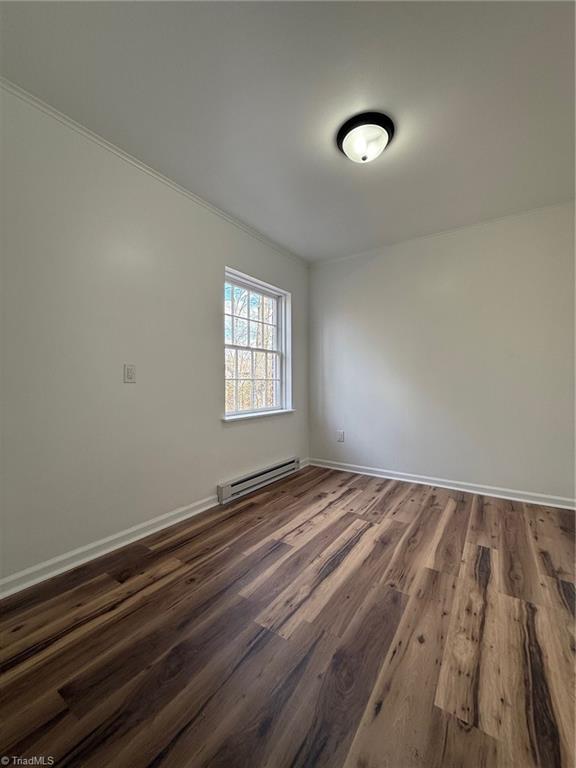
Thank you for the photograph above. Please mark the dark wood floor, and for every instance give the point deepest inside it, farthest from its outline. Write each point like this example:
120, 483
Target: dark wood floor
331, 620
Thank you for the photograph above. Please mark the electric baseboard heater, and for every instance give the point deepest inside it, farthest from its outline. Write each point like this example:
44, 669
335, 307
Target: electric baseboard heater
233, 489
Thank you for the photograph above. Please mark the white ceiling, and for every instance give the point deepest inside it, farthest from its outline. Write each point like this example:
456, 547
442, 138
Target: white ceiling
240, 102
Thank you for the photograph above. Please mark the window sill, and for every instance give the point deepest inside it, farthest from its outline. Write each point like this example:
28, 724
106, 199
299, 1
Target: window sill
244, 416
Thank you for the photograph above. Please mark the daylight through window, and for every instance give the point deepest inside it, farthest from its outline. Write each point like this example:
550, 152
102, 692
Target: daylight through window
255, 335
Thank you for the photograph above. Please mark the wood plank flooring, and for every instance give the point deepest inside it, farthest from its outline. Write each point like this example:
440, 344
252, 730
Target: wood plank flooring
330, 619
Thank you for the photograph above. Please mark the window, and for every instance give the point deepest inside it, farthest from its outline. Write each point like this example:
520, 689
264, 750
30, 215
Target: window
256, 347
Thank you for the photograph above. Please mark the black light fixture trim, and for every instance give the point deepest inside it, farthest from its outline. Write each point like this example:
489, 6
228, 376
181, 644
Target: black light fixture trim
365, 118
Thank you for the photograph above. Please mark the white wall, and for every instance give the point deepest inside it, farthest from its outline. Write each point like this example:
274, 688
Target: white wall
449, 356
104, 264
452, 356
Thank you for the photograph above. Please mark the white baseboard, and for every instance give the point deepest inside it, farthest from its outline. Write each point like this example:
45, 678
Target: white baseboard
456, 485
62, 563
49, 568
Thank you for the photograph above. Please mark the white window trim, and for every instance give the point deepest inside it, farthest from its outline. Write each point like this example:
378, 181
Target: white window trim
284, 330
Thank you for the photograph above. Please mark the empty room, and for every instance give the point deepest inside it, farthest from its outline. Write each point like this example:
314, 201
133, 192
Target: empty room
287, 384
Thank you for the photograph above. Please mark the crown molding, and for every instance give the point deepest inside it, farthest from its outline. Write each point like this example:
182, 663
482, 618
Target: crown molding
34, 101
379, 250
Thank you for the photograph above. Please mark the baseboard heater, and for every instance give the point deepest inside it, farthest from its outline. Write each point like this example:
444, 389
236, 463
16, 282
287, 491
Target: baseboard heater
233, 489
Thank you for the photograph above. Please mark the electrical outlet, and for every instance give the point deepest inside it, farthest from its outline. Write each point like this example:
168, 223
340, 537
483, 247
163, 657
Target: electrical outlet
339, 435
129, 373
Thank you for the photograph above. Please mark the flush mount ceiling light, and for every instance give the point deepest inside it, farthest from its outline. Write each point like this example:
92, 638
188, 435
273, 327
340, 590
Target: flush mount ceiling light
364, 137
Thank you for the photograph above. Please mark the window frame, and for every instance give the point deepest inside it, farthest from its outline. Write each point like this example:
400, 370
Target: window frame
284, 342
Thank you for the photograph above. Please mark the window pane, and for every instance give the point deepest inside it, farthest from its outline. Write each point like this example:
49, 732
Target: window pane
259, 394
230, 363
272, 400
269, 310
244, 395
228, 330
269, 337
255, 306
240, 332
244, 364
240, 301
259, 365
272, 368
230, 396
256, 335
253, 365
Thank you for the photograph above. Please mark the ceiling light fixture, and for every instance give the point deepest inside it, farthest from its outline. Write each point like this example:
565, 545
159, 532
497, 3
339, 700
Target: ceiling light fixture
364, 137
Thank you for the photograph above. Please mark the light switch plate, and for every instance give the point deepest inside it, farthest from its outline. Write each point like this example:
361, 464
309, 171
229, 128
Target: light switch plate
339, 435
129, 373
